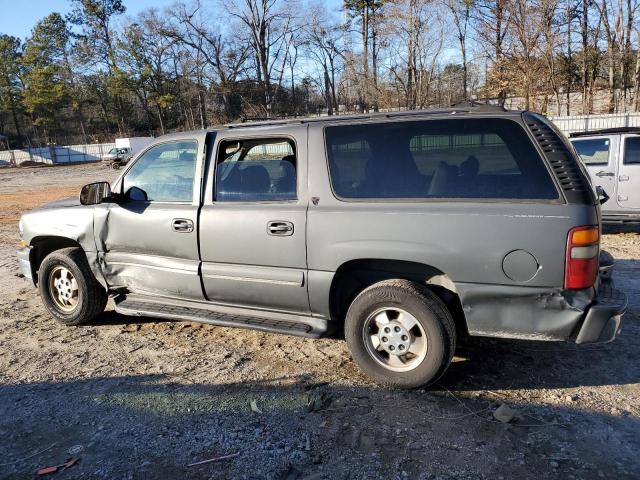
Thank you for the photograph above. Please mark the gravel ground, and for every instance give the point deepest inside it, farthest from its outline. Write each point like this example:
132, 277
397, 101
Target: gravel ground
138, 398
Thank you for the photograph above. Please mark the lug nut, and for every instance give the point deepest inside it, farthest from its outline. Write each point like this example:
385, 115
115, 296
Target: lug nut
401, 347
397, 329
387, 330
392, 348
385, 339
404, 338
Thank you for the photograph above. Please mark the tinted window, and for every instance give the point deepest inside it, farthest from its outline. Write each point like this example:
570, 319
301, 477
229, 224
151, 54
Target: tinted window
593, 151
256, 170
164, 172
470, 158
632, 151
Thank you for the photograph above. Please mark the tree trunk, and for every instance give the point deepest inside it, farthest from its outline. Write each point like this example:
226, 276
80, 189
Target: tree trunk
327, 92
365, 53
584, 30
569, 57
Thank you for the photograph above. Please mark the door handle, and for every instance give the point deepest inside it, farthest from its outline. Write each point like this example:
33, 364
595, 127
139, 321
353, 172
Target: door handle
605, 174
280, 228
623, 178
182, 225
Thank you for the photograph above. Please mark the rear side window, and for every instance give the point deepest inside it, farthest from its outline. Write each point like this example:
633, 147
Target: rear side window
594, 151
466, 158
632, 151
254, 170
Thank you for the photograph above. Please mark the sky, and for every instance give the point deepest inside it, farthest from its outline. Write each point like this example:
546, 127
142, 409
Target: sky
18, 17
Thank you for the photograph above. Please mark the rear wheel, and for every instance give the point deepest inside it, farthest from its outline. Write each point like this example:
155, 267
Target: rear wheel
68, 288
400, 333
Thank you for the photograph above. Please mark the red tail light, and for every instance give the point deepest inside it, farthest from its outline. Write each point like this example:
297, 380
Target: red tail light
583, 248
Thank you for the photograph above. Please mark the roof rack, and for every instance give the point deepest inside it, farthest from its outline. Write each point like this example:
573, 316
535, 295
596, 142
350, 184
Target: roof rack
465, 107
605, 131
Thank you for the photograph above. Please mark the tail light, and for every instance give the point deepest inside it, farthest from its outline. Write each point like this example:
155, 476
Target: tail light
581, 268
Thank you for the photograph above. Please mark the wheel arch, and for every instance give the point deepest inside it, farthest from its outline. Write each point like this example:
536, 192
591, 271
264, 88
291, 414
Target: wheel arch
353, 276
43, 245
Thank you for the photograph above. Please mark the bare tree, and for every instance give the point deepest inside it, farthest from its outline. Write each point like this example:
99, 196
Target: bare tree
270, 24
461, 14
323, 41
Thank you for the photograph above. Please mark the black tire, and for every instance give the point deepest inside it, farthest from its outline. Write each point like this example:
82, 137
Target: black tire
432, 315
92, 297
115, 165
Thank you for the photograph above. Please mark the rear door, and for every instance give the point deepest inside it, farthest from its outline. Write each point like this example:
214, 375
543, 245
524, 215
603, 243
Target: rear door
253, 220
629, 173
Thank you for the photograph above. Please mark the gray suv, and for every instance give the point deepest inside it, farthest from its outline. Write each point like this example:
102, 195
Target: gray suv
400, 231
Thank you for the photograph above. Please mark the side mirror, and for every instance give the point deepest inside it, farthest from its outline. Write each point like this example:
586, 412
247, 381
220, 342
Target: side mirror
136, 194
95, 193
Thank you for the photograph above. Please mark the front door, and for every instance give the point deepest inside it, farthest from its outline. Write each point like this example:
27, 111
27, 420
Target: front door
599, 156
629, 173
253, 222
148, 238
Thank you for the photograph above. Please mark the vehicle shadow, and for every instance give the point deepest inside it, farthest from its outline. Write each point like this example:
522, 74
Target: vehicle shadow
504, 364
154, 426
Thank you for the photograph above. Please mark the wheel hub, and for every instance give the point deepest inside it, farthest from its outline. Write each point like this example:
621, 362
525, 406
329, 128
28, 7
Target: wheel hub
63, 289
394, 338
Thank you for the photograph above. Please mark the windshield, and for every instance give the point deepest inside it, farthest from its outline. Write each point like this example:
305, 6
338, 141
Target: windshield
113, 151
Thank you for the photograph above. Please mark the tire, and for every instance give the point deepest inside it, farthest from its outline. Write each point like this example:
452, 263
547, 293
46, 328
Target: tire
432, 336
62, 267
115, 166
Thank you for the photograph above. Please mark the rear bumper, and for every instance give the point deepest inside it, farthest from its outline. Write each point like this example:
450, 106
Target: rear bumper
603, 319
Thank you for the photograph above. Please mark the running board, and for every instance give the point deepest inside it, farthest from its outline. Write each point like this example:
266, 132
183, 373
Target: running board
173, 309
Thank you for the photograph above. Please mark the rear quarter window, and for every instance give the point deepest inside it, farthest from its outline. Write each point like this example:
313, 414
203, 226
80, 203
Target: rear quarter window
466, 158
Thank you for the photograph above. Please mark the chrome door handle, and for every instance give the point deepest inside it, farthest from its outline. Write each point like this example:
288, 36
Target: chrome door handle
280, 228
182, 225
605, 174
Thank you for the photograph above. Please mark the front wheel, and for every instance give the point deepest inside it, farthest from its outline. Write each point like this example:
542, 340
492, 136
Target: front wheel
400, 333
68, 288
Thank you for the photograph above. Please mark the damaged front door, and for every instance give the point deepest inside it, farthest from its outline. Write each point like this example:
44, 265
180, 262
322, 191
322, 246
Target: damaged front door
149, 238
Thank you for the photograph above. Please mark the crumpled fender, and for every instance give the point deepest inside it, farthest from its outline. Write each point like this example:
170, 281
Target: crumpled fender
522, 312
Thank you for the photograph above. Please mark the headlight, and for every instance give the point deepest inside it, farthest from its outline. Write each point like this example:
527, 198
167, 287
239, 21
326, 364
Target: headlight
20, 229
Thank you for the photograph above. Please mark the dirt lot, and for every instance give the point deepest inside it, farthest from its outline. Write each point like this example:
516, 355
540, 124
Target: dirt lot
144, 399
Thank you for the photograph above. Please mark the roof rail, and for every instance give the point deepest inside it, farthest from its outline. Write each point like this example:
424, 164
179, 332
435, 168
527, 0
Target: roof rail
465, 107
479, 106
606, 131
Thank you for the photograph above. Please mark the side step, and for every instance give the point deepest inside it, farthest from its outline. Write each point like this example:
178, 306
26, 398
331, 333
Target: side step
290, 324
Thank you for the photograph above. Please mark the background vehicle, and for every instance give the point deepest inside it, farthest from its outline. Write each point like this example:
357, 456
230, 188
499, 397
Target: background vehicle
125, 149
612, 158
116, 157
400, 231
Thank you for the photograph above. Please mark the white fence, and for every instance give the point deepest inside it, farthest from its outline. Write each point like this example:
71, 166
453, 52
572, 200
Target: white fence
586, 123
57, 154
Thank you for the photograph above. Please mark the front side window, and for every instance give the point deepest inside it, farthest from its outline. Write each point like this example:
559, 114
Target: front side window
251, 170
466, 158
632, 151
164, 173
593, 151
